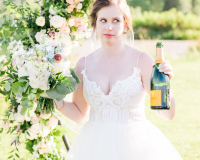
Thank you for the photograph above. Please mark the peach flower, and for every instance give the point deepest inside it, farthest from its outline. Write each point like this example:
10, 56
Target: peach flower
64, 29
35, 120
70, 1
43, 148
45, 116
70, 8
52, 123
78, 22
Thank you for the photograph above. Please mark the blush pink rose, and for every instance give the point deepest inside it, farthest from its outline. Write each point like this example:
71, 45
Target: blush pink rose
64, 29
78, 22
81, 28
35, 120
5, 125
43, 147
70, 1
79, 6
45, 116
81, 0
52, 123
70, 8
37, 36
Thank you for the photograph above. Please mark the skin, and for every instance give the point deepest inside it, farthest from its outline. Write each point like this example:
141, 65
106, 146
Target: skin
113, 51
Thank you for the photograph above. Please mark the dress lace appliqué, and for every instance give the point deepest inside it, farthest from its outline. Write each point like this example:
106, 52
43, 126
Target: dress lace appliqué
124, 104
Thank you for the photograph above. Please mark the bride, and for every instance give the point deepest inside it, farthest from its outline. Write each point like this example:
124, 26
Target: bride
115, 79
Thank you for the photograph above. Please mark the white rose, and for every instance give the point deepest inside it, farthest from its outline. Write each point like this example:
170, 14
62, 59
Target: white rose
18, 117
57, 21
71, 22
35, 128
22, 72
40, 21
34, 82
44, 130
30, 135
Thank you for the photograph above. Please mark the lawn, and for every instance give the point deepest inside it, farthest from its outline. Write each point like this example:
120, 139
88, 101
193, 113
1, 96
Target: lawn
183, 131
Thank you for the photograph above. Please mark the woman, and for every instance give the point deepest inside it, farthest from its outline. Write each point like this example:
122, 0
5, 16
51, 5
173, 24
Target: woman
115, 79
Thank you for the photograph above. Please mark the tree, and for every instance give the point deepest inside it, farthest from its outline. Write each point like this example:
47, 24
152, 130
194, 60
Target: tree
196, 7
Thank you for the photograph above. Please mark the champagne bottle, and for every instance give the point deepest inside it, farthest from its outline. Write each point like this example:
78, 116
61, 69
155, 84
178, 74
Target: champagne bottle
160, 83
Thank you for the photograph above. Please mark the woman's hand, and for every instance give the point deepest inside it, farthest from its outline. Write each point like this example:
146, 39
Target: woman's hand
166, 68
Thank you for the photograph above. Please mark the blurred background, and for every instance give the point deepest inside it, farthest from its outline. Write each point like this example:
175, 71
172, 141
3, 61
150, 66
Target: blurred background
176, 23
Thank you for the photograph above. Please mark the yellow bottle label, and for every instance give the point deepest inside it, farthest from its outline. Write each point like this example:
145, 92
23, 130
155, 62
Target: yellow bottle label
155, 98
159, 60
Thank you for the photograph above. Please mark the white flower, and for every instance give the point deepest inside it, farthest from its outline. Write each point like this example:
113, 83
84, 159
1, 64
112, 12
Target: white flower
35, 147
79, 6
17, 116
40, 21
44, 130
22, 71
30, 135
2, 58
35, 128
34, 82
53, 10
65, 39
71, 22
57, 21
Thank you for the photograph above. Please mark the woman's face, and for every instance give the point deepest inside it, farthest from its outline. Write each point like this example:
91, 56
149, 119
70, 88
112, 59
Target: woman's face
110, 21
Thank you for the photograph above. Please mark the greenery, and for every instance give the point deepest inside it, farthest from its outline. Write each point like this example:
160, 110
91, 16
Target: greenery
170, 24
185, 6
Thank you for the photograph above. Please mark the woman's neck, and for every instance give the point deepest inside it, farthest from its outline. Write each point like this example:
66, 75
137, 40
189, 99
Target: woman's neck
112, 51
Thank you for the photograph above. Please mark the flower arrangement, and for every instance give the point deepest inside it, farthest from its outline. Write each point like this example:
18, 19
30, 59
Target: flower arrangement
35, 69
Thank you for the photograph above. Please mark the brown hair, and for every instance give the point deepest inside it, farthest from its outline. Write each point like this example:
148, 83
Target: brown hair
98, 4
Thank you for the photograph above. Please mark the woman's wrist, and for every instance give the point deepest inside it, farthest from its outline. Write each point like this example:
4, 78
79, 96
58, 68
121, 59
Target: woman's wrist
59, 106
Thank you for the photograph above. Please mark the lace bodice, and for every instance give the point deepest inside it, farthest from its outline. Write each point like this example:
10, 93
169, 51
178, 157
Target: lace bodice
123, 105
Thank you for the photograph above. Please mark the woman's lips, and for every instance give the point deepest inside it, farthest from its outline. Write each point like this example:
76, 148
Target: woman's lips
108, 35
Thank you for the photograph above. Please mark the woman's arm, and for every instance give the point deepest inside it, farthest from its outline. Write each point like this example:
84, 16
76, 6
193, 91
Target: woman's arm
77, 109
146, 63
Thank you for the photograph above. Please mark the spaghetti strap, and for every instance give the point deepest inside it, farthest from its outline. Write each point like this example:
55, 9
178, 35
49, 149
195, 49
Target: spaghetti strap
138, 58
85, 62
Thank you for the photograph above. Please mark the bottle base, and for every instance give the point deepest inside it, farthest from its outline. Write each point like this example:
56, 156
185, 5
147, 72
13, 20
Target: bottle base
159, 108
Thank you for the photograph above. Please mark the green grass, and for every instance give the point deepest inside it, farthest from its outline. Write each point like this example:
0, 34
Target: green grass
183, 131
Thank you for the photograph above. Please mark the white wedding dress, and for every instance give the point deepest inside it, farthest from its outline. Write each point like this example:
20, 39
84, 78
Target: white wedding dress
117, 128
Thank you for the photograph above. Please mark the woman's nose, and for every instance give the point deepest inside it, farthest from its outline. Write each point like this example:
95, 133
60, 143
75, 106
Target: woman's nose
109, 27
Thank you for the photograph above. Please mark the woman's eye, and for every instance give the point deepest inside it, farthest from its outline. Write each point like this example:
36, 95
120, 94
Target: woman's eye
116, 20
103, 19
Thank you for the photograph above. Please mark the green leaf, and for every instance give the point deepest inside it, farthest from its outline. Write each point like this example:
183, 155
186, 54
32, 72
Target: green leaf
7, 86
73, 73
26, 103
31, 96
59, 131
23, 111
54, 94
29, 146
16, 85
17, 155
58, 144
64, 88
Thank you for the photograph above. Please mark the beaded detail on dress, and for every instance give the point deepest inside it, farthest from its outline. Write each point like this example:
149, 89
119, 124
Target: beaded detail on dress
123, 105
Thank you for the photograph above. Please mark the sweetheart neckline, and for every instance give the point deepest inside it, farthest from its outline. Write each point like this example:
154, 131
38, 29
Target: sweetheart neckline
118, 81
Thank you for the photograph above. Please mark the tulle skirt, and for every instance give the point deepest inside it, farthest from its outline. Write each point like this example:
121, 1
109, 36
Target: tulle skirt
139, 140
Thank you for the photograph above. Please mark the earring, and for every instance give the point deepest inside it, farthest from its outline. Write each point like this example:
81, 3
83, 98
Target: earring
125, 31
